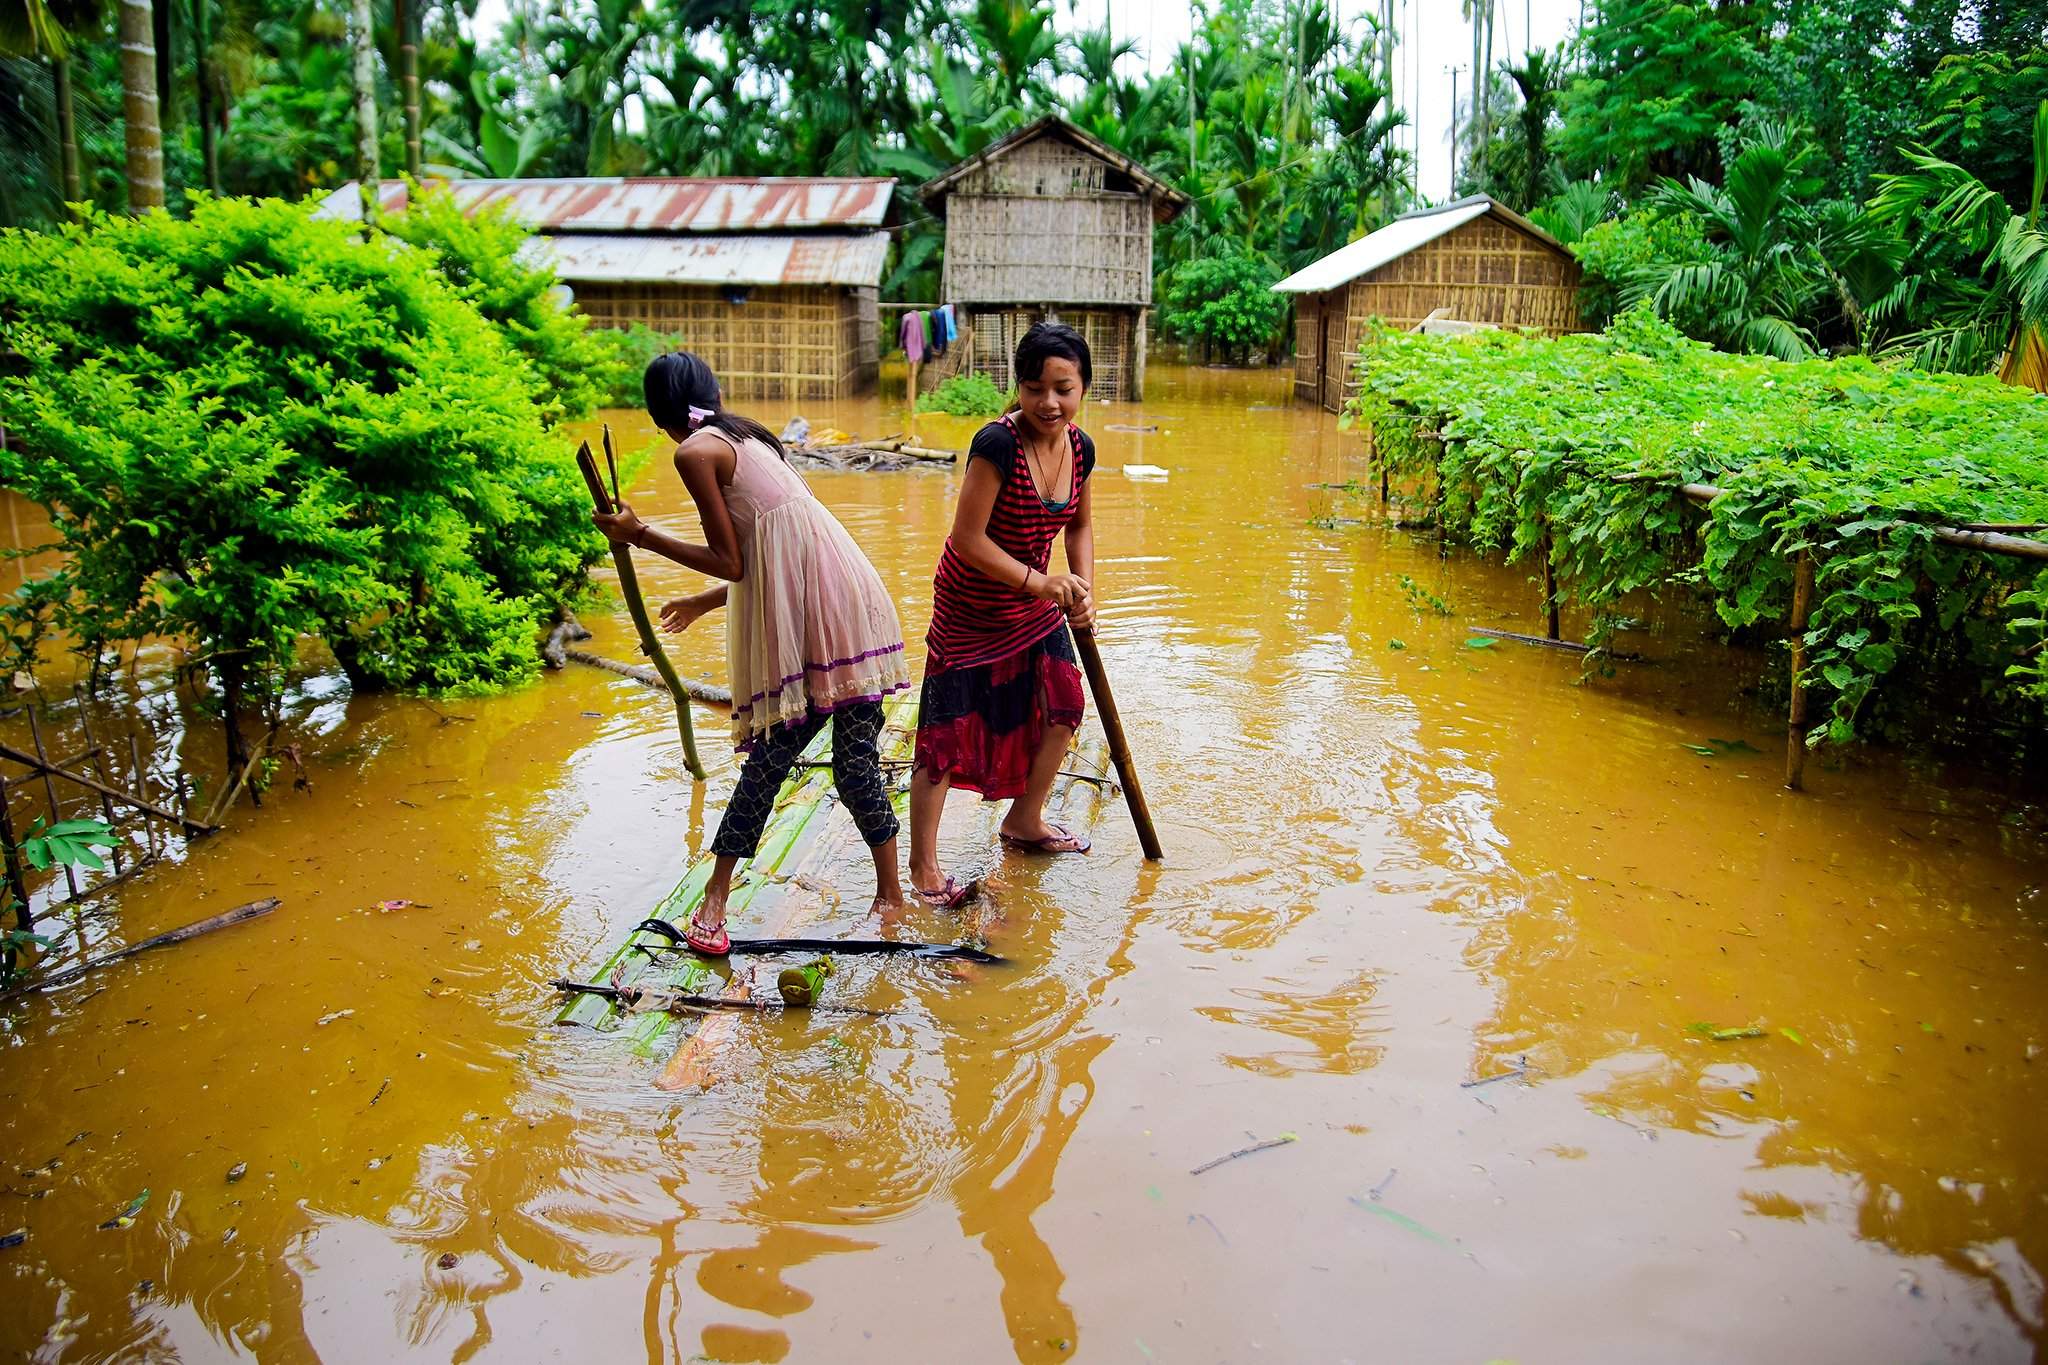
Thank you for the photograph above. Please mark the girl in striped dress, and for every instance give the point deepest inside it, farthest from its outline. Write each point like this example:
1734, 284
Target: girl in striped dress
1002, 691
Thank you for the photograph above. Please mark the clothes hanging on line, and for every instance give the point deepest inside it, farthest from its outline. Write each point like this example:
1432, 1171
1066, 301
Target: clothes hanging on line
910, 335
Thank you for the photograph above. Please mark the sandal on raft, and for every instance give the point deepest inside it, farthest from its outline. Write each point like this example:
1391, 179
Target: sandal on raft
710, 942
951, 896
1059, 841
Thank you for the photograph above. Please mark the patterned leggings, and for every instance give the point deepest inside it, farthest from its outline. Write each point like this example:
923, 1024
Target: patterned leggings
856, 771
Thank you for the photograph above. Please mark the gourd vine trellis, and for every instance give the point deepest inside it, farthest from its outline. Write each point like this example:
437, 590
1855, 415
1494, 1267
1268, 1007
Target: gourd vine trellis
1880, 512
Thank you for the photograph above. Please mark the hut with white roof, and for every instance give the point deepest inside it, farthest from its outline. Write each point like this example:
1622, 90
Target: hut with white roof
774, 281
1473, 259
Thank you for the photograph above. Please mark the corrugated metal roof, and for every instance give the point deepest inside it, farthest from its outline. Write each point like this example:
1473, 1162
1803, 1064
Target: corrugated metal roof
655, 203
1400, 237
750, 258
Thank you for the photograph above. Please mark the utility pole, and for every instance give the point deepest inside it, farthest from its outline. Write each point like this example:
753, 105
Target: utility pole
1454, 130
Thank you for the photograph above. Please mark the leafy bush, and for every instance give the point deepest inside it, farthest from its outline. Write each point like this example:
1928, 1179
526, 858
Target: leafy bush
253, 427
1847, 460
625, 354
1225, 302
966, 395
1615, 252
480, 254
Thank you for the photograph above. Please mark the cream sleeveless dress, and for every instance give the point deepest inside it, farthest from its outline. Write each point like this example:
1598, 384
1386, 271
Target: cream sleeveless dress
809, 627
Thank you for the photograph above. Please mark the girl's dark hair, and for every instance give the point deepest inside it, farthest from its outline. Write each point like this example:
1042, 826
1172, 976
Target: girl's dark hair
1045, 340
679, 381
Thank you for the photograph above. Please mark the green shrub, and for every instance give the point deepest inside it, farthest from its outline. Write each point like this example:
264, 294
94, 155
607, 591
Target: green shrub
251, 427
1620, 249
479, 253
966, 395
1225, 303
626, 353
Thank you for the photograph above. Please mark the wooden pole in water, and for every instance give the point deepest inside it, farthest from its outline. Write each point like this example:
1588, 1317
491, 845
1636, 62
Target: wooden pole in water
1119, 751
1550, 624
1795, 720
629, 588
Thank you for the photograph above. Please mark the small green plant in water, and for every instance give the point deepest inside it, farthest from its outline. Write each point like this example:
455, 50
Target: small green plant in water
966, 395
1421, 599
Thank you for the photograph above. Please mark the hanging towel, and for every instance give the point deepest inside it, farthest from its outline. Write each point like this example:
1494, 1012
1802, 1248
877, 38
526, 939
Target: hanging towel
946, 321
926, 320
911, 334
940, 336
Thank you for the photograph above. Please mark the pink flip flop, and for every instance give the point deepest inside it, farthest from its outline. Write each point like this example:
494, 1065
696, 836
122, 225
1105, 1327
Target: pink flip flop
710, 944
1061, 840
951, 896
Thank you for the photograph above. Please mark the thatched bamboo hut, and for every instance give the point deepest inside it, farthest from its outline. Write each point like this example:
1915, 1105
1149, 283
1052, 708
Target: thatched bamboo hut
1472, 259
774, 281
1050, 222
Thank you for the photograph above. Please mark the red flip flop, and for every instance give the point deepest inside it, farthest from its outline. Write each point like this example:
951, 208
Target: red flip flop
1061, 840
710, 944
951, 896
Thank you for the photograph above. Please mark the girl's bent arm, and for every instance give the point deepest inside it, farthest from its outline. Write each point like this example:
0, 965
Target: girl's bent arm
1080, 540
703, 461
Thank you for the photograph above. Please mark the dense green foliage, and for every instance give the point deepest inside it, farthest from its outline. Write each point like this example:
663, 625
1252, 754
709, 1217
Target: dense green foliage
1852, 461
1225, 303
251, 427
623, 356
480, 255
966, 395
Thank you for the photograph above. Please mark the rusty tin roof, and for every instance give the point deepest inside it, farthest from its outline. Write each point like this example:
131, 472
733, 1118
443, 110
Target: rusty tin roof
656, 203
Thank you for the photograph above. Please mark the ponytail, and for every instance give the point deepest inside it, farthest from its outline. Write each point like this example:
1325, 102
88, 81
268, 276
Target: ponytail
682, 395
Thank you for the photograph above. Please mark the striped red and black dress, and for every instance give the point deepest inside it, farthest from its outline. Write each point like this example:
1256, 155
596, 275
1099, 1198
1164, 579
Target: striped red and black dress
1000, 667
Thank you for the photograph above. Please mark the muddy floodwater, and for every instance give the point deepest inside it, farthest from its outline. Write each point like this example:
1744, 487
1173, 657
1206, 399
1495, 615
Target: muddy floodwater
1457, 927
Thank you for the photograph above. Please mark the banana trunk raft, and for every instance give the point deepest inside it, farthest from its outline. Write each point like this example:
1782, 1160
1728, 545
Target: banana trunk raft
776, 895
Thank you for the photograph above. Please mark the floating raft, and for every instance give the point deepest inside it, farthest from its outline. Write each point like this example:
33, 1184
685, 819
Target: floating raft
778, 893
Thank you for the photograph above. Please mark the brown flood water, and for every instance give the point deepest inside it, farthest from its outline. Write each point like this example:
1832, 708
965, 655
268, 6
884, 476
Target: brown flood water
1392, 870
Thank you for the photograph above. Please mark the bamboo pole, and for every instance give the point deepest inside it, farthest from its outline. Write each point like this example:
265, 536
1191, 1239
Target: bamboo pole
43, 765
1119, 750
1550, 623
14, 755
636, 607
17, 880
1795, 719
189, 931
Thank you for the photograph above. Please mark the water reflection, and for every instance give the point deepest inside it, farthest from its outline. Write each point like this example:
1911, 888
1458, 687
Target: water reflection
1397, 864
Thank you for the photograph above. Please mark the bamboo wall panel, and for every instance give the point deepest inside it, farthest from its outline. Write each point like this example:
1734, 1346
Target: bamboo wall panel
1020, 249
1111, 334
1484, 272
805, 343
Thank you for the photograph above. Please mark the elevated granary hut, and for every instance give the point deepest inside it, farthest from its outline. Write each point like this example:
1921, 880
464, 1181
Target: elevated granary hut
774, 281
1049, 222
1472, 259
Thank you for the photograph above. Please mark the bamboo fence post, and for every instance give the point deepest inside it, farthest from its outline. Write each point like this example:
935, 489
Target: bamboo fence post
1795, 720
17, 881
35, 734
636, 607
149, 833
1550, 624
99, 760
1119, 751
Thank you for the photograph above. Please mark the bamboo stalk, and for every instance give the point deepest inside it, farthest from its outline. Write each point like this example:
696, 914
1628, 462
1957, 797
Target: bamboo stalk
1119, 750
17, 880
636, 607
1550, 623
12, 754
1795, 719
35, 734
189, 931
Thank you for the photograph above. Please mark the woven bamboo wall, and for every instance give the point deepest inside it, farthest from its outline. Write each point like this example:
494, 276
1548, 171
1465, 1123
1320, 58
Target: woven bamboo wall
1048, 223
1484, 271
800, 343
1111, 334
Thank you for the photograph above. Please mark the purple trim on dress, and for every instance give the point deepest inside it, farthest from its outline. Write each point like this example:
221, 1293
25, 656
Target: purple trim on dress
747, 745
748, 704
